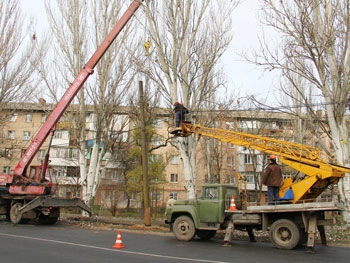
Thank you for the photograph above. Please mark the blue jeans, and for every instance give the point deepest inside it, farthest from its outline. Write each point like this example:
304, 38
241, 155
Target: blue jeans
178, 118
273, 194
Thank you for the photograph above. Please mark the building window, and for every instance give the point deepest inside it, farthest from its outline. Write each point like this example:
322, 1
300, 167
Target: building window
13, 117
250, 178
173, 178
11, 135
121, 178
8, 152
231, 180
174, 159
132, 197
158, 124
156, 196
43, 118
28, 118
54, 153
154, 158
115, 175
64, 153
174, 195
89, 117
247, 159
41, 154
61, 134
59, 171
73, 171
6, 169
74, 154
23, 151
230, 161
26, 136
156, 140
248, 124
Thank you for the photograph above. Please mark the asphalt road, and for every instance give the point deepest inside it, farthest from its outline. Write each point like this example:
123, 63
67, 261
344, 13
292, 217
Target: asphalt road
64, 243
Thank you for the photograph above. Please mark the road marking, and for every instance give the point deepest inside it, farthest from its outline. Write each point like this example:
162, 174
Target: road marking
114, 250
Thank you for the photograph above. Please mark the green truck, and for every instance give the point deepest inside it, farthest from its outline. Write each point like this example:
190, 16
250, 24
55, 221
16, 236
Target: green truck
219, 207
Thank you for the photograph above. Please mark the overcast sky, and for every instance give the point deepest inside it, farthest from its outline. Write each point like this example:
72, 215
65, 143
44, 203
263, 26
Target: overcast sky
246, 78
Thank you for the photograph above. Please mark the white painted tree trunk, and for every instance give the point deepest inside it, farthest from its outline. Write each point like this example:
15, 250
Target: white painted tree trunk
93, 175
83, 175
187, 151
188, 41
340, 142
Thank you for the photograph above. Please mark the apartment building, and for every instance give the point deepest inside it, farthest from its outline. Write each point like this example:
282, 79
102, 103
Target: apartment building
216, 161
18, 126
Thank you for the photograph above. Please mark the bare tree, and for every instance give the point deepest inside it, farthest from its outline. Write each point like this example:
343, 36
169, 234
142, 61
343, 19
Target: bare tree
20, 52
315, 47
114, 79
73, 30
187, 40
68, 23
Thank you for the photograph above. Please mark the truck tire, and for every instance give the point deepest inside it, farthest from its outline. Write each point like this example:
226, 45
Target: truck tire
205, 234
183, 228
46, 220
15, 216
285, 234
50, 219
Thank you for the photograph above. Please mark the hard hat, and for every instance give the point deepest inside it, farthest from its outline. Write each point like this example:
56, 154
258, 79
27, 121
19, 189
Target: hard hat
272, 157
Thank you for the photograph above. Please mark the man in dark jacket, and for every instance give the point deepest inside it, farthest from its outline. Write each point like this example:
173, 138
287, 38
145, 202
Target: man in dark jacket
272, 178
180, 111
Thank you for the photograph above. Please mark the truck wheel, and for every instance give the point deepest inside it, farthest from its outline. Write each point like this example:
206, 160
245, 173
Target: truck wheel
205, 234
285, 234
15, 216
46, 220
50, 219
183, 228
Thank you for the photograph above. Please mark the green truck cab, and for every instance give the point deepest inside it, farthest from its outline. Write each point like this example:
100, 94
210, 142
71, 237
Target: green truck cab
202, 216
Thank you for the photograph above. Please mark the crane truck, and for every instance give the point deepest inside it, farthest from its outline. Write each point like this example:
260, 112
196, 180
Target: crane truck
291, 221
26, 193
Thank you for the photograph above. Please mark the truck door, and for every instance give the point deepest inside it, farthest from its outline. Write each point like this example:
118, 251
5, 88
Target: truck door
209, 205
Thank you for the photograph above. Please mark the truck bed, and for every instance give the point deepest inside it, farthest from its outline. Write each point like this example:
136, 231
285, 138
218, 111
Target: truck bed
288, 224
323, 205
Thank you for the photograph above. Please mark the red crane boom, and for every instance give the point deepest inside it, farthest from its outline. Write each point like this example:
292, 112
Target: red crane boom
73, 90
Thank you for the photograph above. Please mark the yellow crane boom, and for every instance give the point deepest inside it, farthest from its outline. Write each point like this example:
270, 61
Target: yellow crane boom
320, 169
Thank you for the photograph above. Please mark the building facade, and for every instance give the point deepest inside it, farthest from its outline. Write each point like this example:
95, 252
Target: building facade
216, 161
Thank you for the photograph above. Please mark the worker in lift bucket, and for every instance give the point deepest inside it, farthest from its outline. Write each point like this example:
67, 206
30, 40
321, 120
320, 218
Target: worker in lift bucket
180, 111
272, 178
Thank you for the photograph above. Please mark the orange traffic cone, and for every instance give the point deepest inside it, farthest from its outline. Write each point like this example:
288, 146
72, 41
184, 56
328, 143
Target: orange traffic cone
119, 243
233, 204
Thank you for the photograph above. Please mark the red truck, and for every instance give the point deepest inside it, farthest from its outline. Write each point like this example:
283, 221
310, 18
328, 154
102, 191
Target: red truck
27, 193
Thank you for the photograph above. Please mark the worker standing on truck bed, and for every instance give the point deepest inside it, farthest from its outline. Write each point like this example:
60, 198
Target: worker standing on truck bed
272, 178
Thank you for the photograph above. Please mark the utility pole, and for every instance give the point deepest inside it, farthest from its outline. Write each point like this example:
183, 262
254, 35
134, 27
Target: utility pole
144, 149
